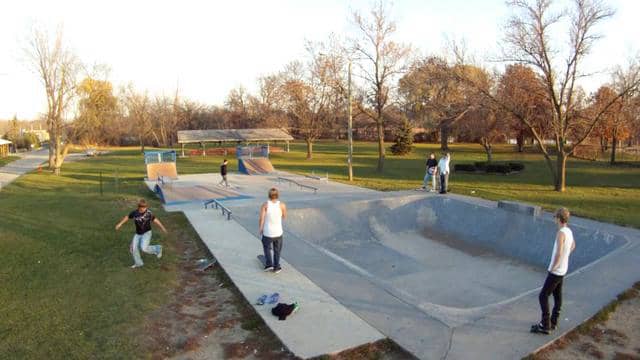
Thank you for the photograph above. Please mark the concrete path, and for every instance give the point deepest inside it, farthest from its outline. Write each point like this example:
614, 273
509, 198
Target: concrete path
321, 326
28, 162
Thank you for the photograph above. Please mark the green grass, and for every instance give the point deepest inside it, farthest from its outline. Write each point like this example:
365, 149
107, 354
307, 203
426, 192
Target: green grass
67, 291
5, 160
594, 189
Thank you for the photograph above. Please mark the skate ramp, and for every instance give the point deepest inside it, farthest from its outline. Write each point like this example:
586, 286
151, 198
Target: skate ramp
164, 169
255, 166
172, 194
435, 253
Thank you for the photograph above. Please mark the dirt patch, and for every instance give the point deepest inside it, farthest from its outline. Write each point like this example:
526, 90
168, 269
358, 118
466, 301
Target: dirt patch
613, 333
206, 317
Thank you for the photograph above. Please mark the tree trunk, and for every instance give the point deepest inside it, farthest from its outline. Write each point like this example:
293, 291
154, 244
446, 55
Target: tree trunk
488, 150
444, 137
614, 146
380, 146
561, 171
603, 144
520, 141
52, 154
309, 149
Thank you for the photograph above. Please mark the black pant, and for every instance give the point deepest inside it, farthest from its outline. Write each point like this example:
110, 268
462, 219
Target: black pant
444, 183
277, 247
552, 285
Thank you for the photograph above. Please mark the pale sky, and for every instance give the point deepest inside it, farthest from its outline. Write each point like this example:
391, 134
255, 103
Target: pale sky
210, 47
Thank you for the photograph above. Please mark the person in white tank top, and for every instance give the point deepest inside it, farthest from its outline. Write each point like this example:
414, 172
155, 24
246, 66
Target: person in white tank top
272, 213
558, 268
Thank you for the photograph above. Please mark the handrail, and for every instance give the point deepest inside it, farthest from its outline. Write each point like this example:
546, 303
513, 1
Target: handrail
290, 181
218, 204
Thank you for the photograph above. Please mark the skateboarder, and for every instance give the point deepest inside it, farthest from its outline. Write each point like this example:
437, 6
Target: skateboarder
562, 248
272, 213
431, 174
223, 173
142, 217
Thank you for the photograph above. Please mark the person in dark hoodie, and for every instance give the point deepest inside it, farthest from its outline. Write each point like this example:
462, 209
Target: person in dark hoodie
223, 173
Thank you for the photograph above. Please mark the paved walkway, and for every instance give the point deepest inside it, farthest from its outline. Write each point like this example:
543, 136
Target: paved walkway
321, 326
28, 162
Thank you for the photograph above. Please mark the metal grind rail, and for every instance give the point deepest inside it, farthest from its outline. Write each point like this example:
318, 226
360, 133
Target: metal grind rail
303, 186
217, 204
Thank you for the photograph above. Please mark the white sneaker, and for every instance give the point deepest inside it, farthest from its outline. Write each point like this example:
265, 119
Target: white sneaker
134, 266
160, 253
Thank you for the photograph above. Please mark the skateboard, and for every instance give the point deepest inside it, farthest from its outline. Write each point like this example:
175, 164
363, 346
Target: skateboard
205, 264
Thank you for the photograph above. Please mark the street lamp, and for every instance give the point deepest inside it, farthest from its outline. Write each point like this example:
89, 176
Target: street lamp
350, 130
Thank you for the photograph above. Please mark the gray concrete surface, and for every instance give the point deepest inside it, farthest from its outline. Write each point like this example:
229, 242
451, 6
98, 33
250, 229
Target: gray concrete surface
444, 276
27, 162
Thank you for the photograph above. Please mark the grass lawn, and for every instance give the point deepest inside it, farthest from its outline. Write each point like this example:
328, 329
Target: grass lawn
67, 290
5, 160
594, 189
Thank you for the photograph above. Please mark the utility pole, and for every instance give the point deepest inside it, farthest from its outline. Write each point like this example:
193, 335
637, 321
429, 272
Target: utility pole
350, 130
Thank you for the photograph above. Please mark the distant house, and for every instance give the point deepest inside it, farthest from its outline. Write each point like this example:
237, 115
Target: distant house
4, 147
42, 135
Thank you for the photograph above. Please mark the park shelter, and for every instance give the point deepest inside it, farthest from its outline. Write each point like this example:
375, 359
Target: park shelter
4, 147
236, 136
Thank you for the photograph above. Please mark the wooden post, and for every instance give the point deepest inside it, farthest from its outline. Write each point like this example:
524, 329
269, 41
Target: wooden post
203, 149
182, 149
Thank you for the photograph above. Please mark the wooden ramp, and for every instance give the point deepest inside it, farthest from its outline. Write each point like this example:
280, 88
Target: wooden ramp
164, 169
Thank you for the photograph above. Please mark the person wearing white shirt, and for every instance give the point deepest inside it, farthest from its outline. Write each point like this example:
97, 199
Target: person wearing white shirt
558, 267
272, 213
443, 170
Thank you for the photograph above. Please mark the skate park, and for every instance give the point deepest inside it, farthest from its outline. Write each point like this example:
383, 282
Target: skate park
444, 276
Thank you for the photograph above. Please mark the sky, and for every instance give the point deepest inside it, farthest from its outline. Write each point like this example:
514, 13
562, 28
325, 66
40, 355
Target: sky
206, 48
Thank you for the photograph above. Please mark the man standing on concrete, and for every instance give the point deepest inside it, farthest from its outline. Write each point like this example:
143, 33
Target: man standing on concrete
562, 248
431, 174
142, 217
443, 170
223, 173
272, 213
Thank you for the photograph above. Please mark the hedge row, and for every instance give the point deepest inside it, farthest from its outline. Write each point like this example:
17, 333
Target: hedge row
493, 167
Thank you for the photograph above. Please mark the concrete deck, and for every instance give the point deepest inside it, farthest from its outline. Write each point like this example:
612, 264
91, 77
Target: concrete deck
436, 297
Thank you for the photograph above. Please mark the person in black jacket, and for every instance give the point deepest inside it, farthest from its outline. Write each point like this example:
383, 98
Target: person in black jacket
223, 173
431, 174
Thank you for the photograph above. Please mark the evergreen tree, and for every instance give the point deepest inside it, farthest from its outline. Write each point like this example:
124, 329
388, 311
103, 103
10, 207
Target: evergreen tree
404, 139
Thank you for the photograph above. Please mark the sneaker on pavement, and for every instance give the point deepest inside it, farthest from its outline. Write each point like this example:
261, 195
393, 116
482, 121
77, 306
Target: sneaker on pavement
296, 306
268, 268
539, 329
277, 269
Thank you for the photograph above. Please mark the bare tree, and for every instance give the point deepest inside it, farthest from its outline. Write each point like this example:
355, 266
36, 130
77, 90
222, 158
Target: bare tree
528, 41
58, 68
309, 97
381, 61
138, 109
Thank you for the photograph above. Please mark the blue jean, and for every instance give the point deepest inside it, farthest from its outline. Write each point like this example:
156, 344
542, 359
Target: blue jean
430, 177
141, 242
277, 247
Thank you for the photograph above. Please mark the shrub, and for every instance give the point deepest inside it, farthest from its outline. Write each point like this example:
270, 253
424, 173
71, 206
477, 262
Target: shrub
481, 165
404, 140
498, 168
464, 167
516, 166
